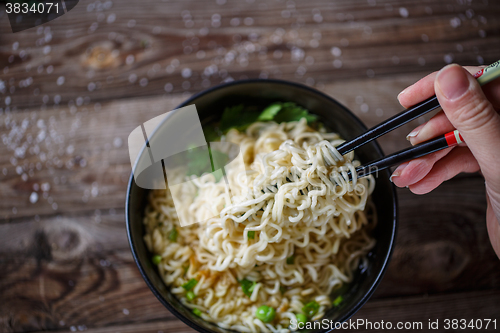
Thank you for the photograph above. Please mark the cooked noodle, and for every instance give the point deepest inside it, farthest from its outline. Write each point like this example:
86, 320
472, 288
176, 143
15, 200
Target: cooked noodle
296, 205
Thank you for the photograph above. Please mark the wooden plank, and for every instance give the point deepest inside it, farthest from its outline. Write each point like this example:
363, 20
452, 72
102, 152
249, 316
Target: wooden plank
89, 48
64, 257
81, 153
78, 269
159, 326
414, 311
73, 269
421, 309
442, 242
81, 161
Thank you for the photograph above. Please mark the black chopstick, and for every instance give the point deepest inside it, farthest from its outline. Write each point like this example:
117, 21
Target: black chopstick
444, 141
390, 124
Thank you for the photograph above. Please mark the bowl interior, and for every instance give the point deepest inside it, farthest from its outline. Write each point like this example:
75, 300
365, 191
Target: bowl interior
210, 105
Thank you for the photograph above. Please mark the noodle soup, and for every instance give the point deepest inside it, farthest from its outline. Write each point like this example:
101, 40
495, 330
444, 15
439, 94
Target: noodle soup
295, 233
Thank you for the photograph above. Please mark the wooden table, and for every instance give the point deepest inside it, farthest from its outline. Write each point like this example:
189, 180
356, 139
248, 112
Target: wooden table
72, 90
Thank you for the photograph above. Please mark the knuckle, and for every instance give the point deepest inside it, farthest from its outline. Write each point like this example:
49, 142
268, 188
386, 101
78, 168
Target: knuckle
474, 114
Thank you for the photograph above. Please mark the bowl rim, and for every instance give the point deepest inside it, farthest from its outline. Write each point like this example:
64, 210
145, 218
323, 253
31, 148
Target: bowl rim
379, 150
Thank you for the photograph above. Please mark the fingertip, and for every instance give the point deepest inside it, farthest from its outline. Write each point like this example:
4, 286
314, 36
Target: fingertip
417, 92
397, 181
451, 82
420, 189
401, 181
412, 172
395, 177
413, 141
412, 136
401, 97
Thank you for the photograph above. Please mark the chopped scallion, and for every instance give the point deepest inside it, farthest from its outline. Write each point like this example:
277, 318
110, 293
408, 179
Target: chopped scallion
190, 295
190, 284
172, 235
310, 309
247, 286
338, 300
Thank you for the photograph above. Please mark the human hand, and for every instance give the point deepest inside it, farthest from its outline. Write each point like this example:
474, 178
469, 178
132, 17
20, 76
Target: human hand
474, 112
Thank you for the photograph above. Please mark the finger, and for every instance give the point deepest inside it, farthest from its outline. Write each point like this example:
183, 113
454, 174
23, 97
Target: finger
424, 88
457, 161
437, 125
473, 115
413, 171
440, 124
417, 92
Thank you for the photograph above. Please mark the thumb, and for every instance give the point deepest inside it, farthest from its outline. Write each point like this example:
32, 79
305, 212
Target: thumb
467, 108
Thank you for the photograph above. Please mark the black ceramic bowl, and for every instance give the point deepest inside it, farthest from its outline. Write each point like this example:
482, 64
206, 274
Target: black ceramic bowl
210, 105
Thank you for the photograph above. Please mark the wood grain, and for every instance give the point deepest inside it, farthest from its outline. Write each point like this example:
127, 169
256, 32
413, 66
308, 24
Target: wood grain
442, 242
91, 54
81, 152
77, 270
84, 162
72, 90
412, 311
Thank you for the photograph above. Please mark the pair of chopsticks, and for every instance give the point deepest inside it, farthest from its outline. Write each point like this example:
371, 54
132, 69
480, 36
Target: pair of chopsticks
450, 139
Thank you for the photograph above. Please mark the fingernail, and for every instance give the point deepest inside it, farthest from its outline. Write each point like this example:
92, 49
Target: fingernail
413, 133
398, 171
403, 92
452, 81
